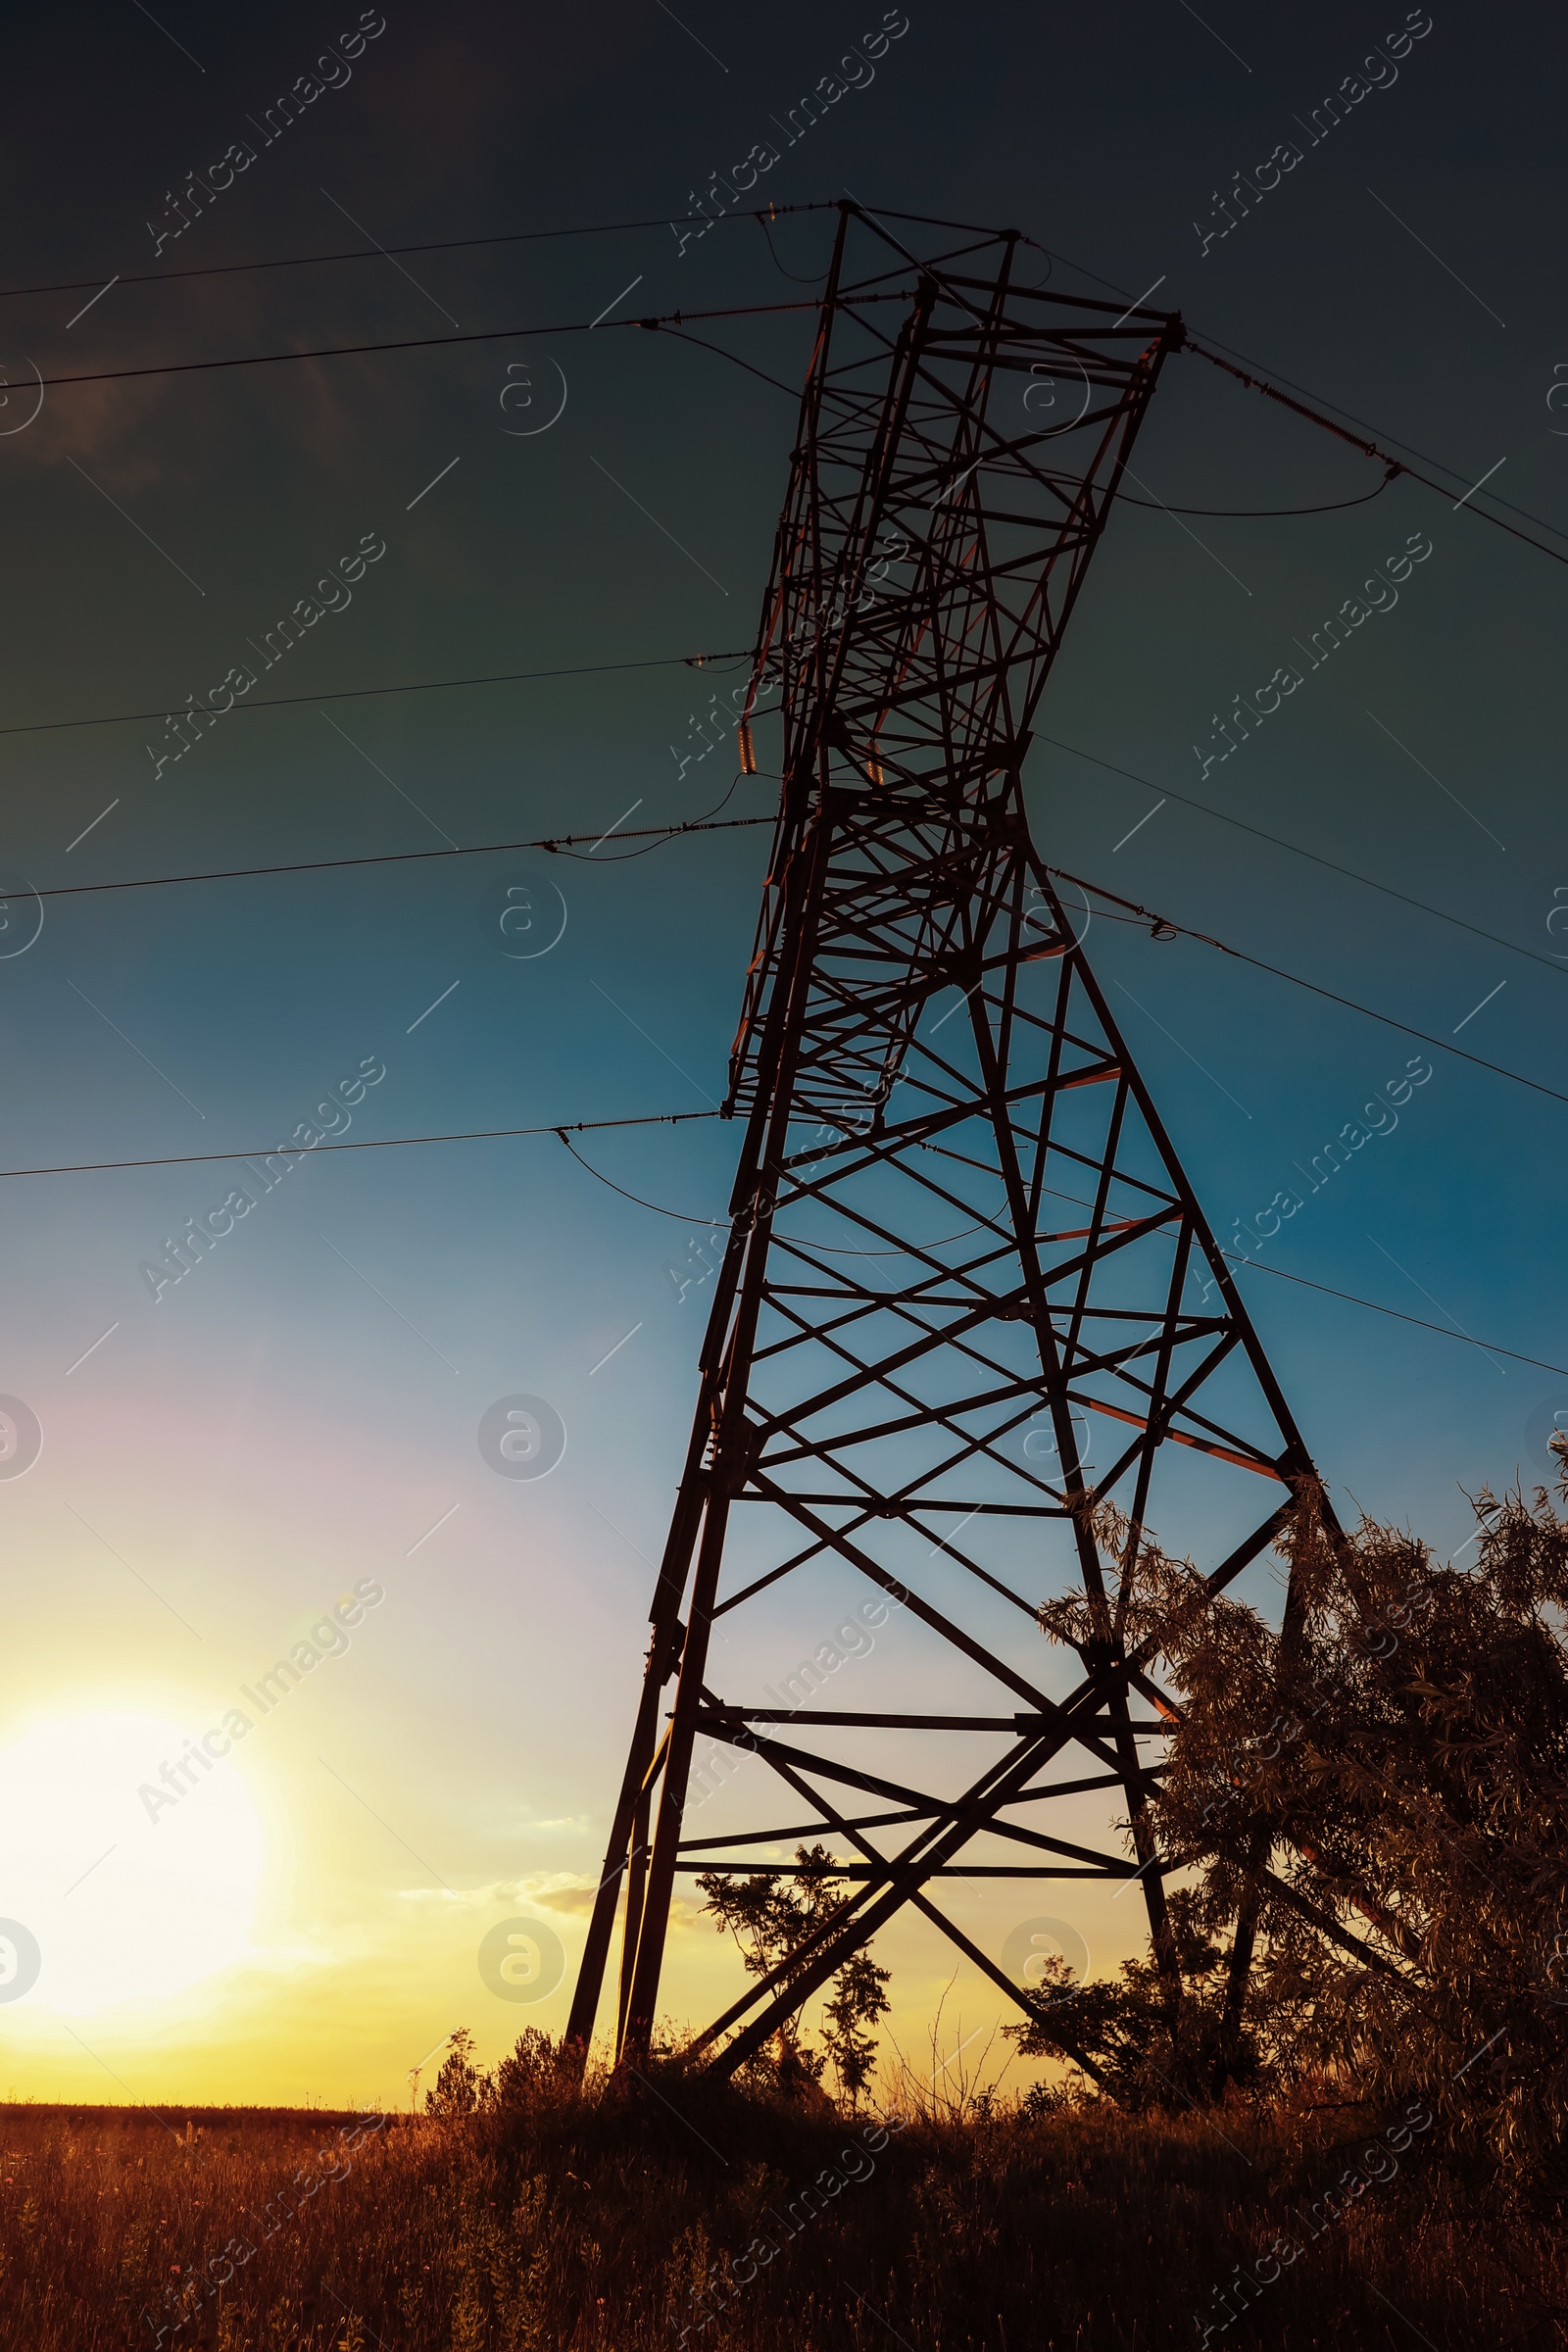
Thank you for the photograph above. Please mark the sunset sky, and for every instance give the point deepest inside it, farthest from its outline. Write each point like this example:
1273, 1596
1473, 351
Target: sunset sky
295, 1423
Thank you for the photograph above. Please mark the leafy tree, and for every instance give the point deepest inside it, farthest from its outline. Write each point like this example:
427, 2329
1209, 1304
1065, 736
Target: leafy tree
1372, 1796
770, 1916
1130, 2038
858, 2000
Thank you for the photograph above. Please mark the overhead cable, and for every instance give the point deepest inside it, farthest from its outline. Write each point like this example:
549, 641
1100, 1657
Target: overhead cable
489, 334
319, 865
1163, 927
1295, 849
374, 253
390, 1143
360, 694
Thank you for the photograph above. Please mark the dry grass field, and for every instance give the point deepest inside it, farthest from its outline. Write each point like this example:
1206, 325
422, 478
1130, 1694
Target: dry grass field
623, 2218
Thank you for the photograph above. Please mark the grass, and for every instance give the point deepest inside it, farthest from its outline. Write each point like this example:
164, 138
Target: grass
596, 2220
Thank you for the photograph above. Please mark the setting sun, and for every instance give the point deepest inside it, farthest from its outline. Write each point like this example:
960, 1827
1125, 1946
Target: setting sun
124, 1908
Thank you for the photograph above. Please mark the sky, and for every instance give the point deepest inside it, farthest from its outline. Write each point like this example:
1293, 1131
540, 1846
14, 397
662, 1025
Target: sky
196, 1472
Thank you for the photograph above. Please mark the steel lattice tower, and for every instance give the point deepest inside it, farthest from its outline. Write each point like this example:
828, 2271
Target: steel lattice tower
961, 1239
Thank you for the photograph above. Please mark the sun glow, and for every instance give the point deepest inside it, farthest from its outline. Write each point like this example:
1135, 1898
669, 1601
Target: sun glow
125, 1903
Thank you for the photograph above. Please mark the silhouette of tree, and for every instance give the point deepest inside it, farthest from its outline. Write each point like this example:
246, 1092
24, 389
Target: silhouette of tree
1372, 1796
770, 1915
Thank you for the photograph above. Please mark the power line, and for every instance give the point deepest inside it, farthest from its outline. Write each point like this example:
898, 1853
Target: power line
1304, 390
762, 214
358, 694
697, 343
1351, 1298
492, 334
555, 843
321, 865
372, 253
1258, 384
1443, 1045
1441, 463
698, 660
1274, 839
676, 318
390, 1143
636, 1199
1336, 505
676, 1118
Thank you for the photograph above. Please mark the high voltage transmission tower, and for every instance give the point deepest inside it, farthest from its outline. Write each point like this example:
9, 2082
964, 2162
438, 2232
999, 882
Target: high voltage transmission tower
968, 1294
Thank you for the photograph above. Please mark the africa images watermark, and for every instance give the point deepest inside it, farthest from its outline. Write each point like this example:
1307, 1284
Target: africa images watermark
327, 1639
806, 2205
1379, 1116
186, 2293
858, 74
1381, 597
800, 1689
870, 585
336, 596
1381, 74
1378, 2164
201, 1235
335, 73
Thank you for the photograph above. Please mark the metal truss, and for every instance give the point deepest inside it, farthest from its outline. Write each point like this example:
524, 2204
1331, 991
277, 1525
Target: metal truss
968, 1296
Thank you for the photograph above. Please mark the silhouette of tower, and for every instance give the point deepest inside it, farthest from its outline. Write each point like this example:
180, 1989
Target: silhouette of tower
968, 1299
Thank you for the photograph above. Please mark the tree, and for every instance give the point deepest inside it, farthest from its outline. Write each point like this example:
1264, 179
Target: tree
1372, 1796
1134, 2042
770, 1917
858, 2000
